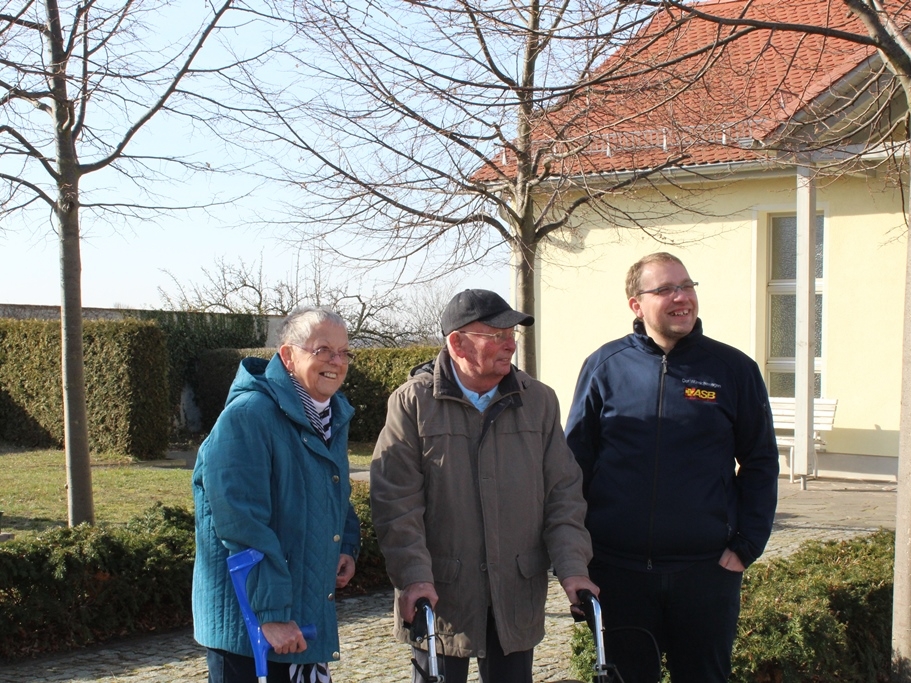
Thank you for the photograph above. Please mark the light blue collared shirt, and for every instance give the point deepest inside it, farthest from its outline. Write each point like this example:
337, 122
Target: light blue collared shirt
479, 401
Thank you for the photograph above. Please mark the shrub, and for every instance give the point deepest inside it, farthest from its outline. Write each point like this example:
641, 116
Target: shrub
371, 567
125, 385
821, 614
71, 587
68, 588
371, 380
215, 370
188, 333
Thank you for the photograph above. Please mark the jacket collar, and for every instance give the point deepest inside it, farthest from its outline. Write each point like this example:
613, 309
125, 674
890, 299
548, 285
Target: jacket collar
642, 340
273, 379
445, 385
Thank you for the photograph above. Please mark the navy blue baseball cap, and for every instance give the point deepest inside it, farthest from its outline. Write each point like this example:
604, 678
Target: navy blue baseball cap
483, 306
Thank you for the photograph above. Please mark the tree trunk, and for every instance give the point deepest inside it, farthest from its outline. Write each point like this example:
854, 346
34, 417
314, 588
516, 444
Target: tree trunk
80, 503
524, 264
66, 212
901, 601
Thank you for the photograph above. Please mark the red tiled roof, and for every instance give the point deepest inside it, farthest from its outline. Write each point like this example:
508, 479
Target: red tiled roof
649, 110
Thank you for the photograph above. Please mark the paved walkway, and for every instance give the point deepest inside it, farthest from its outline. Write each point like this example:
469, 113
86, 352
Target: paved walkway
828, 510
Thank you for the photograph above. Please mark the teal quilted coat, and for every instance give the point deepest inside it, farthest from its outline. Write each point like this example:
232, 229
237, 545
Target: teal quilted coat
265, 480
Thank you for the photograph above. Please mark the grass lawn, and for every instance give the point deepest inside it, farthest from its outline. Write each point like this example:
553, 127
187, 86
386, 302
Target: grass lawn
360, 453
33, 487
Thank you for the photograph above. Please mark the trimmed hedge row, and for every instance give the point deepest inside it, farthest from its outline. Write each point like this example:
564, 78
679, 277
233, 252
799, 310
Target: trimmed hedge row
125, 384
69, 588
189, 333
371, 379
821, 614
135, 370
72, 587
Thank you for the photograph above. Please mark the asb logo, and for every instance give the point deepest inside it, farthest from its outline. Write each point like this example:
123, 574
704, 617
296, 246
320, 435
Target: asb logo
696, 394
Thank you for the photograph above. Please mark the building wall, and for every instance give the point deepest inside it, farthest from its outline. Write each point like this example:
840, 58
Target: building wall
581, 301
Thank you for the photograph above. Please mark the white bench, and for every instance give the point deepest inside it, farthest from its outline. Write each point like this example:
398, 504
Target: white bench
783, 410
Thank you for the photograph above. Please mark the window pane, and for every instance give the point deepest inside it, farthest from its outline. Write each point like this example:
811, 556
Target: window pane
782, 318
817, 345
820, 236
784, 247
783, 329
781, 384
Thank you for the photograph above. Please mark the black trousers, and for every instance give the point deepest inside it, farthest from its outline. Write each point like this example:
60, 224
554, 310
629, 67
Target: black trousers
689, 615
227, 667
495, 667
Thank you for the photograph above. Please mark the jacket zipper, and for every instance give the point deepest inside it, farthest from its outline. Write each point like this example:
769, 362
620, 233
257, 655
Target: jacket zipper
651, 519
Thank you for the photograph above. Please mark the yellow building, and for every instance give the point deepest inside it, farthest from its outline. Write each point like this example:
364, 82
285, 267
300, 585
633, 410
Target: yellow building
736, 257
738, 213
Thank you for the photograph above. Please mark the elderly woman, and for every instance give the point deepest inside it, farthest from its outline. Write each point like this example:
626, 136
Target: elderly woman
273, 475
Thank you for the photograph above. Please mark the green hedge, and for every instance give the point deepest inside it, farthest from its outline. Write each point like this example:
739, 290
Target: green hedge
371, 565
125, 384
190, 333
211, 380
821, 614
68, 588
72, 587
374, 375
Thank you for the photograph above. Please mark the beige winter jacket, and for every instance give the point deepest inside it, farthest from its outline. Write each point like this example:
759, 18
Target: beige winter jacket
479, 504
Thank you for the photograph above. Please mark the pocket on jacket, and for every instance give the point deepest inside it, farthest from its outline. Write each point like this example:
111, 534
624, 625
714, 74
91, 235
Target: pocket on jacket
534, 562
445, 569
531, 587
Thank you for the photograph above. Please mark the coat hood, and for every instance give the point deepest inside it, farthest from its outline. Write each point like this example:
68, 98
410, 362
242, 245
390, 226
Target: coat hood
272, 379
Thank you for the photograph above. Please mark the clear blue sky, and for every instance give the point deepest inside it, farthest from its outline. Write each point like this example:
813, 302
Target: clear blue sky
127, 269
124, 263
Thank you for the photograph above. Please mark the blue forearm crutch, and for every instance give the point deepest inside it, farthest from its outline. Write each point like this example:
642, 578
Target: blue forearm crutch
239, 566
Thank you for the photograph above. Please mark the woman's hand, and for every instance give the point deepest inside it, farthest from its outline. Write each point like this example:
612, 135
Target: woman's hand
285, 637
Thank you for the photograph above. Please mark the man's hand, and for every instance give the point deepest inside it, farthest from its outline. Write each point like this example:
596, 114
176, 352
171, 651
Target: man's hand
572, 585
412, 593
731, 561
285, 637
345, 571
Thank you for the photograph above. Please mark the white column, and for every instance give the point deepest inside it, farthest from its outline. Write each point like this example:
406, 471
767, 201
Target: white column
806, 322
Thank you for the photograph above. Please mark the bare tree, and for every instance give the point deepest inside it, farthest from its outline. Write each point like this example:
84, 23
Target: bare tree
227, 287
869, 118
79, 82
431, 151
375, 319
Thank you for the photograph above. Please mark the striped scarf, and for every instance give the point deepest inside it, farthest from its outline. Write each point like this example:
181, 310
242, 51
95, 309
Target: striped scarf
310, 673
321, 420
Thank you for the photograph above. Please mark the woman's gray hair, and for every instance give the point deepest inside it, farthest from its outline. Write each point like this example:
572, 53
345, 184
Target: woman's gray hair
298, 326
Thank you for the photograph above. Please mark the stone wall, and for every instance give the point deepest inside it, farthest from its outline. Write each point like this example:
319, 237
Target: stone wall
29, 311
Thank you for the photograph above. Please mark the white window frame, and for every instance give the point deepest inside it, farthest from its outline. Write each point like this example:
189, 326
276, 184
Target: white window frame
784, 364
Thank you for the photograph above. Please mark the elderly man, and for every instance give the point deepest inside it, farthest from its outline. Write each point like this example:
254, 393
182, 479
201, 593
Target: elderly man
475, 495
674, 435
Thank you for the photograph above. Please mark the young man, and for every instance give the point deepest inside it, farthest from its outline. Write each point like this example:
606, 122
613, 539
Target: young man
660, 422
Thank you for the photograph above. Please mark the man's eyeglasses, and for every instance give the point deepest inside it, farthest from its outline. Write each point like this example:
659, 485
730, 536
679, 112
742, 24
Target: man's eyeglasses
327, 355
670, 290
498, 337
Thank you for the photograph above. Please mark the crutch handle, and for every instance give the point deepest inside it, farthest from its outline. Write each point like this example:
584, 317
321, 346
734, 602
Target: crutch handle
239, 566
